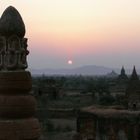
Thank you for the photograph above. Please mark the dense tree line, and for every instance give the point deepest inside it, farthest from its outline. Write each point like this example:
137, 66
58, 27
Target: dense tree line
54, 87
83, 84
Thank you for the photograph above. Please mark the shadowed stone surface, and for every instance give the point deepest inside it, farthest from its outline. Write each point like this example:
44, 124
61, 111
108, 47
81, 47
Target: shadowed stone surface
11, 23
17, 106
15, 81
108, 124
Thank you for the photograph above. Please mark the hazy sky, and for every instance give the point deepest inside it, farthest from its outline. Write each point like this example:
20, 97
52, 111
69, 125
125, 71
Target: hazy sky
88, 32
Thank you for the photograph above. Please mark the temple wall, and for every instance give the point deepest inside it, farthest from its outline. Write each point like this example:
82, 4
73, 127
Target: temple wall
90, 127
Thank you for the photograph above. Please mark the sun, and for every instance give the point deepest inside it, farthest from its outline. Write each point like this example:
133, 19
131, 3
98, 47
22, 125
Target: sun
70, 62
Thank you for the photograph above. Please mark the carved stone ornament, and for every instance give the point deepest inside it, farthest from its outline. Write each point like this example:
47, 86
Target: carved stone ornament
13, 45
17, 105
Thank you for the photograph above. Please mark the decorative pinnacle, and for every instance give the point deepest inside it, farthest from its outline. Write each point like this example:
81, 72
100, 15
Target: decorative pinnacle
13, 45
122, 71
11, 23
134, 75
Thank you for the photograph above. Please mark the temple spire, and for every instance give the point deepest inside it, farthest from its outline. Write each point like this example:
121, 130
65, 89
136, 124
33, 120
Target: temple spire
122, 71
13, 45
11, 23
134, 75
123, 75
133, 91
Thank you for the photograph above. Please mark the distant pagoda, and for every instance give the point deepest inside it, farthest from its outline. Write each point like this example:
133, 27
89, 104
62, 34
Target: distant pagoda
133, 91
118, 86
112, 123
122, 76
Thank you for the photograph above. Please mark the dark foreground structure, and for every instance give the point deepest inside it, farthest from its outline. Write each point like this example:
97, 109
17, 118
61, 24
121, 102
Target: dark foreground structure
108, 124
123, 123
17, 106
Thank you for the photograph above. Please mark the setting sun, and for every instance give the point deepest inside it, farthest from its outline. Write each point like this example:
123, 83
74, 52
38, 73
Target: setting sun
70, 62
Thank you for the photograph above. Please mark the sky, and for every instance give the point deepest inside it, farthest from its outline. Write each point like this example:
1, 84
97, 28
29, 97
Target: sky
85, 32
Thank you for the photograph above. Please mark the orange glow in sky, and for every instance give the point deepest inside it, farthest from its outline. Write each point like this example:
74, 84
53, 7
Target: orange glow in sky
88, 31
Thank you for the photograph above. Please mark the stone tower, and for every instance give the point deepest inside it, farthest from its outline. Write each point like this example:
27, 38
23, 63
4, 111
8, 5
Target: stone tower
17, 106
133, 91
122, 76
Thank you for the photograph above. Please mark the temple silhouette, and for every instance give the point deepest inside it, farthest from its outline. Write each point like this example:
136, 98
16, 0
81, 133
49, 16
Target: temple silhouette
17, 105
113, 123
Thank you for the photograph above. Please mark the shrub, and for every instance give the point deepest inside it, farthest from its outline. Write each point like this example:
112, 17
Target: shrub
67, 128
106, 100
49, 126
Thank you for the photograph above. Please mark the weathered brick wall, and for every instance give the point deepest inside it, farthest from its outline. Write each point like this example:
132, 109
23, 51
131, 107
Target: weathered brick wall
107, 124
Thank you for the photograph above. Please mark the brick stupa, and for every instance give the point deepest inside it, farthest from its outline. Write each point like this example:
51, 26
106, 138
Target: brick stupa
17, 106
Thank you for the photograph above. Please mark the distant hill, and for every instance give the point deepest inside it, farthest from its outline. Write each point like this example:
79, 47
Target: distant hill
84, 70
